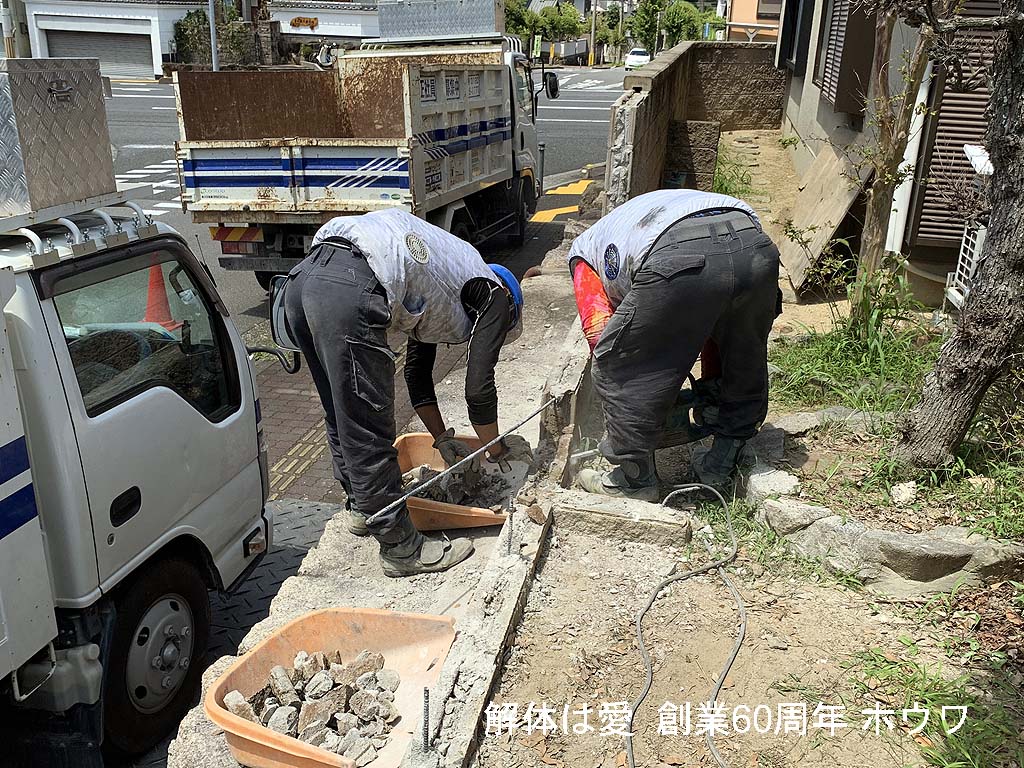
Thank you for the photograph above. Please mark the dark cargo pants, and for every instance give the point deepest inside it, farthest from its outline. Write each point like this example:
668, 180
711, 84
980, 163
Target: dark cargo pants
338, 314
706, 277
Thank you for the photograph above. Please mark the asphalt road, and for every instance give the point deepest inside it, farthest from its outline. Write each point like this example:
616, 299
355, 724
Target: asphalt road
144, 126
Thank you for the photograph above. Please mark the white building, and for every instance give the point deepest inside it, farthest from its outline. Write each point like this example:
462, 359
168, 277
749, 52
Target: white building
130, 38
339, 20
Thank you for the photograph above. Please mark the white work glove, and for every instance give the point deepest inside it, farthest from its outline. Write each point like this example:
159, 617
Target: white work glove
453, 450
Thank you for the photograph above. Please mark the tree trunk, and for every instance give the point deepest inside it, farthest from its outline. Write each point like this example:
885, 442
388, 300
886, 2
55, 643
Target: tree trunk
992, 319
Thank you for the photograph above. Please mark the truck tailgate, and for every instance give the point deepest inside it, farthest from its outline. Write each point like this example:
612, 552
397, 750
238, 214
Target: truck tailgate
295, 175
460, 122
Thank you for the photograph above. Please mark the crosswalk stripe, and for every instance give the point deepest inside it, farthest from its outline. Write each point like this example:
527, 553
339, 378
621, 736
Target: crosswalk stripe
170, 206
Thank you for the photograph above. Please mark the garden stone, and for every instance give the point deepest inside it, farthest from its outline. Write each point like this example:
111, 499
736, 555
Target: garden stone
765, 481
915, 556
798, 424
786, 516
903, 494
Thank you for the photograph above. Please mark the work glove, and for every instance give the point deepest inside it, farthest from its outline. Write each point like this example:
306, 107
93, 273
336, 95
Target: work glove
516, 449
453, 450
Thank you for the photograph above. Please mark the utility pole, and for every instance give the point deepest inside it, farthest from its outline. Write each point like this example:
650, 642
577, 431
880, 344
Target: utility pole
593, 30
212, 14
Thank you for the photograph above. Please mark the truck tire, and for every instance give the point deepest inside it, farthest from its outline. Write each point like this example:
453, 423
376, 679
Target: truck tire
525, 202
154, 669
263, 278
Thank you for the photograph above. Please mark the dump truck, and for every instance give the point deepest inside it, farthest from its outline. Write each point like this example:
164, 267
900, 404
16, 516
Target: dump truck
133, 473
445, 130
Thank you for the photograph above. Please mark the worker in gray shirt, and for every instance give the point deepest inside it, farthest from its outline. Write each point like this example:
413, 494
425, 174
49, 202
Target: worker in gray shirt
389, 270
659, 279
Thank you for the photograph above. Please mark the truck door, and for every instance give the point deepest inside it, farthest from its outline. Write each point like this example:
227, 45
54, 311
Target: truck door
166, 433
526, 130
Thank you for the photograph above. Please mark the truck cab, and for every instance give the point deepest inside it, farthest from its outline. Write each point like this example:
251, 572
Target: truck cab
139, 441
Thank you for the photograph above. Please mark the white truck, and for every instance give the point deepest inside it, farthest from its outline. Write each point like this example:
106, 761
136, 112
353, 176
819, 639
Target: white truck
133, 475
445, 130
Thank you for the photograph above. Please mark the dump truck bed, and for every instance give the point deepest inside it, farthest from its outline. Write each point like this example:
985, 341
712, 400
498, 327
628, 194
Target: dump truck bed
413, 129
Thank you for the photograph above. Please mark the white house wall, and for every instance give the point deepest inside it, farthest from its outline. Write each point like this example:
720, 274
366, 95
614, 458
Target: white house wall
332, 21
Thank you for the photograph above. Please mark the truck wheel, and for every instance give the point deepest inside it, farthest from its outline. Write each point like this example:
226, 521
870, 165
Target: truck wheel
154, 669
522, 220
263, 278
460, 229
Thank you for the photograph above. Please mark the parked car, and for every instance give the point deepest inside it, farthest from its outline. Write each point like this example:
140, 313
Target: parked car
637, 58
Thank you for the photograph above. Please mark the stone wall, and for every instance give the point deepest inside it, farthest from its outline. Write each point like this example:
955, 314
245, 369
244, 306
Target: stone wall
733, 85
268, 41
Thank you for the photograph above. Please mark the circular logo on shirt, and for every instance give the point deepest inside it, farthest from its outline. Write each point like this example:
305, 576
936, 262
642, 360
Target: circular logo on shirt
417, 248
611, 262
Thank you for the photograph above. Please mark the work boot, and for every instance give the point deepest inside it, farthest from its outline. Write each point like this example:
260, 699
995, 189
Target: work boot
357, 523
618, 484
404, 551
717, 467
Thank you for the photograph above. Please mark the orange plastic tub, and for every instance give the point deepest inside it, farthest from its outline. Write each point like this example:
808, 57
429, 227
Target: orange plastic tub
414, 645
416, 449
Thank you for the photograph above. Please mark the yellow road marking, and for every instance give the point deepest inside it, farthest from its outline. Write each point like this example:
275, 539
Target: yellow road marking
550, 214
573, 188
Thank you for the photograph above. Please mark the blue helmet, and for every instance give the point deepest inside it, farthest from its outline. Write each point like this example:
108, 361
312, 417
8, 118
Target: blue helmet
514, 288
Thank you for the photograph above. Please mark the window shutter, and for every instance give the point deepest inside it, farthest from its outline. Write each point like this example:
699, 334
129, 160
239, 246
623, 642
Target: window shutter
844, 71
960, 120
832, 53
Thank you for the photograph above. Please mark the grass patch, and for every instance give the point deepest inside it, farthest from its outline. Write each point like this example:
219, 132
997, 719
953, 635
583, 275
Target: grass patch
839, 368
989, 737
731, 176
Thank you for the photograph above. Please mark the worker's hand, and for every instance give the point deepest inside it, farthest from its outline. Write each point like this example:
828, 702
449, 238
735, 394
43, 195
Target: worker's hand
452, 450
512, 448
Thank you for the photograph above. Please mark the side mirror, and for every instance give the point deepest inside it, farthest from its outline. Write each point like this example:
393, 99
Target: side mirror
279, 330
551, 85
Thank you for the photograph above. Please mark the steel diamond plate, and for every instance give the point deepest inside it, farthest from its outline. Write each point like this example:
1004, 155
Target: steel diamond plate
54, 140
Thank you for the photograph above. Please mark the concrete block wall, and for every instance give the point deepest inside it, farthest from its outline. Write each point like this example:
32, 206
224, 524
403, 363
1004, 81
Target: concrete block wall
691, 154
734, 85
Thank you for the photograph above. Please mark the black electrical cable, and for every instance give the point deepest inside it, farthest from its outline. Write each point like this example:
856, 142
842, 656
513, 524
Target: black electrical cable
719, 566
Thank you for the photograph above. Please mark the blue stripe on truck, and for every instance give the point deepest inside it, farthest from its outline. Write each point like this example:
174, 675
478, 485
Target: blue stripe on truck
195, 182
17, 509
13, 459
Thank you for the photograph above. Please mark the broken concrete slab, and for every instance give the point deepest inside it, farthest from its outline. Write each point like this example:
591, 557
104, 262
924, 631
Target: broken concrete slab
622, 519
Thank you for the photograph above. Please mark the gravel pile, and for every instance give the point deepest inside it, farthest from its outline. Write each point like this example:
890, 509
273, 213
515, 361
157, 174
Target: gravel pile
344, 708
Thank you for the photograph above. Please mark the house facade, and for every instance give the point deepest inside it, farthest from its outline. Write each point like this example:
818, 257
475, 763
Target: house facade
750, 21
133, 38
827, 46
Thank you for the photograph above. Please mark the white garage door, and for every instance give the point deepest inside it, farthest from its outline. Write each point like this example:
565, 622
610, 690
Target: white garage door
119, 55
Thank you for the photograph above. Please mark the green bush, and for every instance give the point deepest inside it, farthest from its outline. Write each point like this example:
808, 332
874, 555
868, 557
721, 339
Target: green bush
235, 40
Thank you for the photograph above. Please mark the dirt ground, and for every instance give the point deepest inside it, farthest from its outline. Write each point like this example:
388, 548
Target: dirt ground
577, 646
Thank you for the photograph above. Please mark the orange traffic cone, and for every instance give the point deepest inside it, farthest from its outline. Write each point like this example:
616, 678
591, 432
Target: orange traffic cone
158, 310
